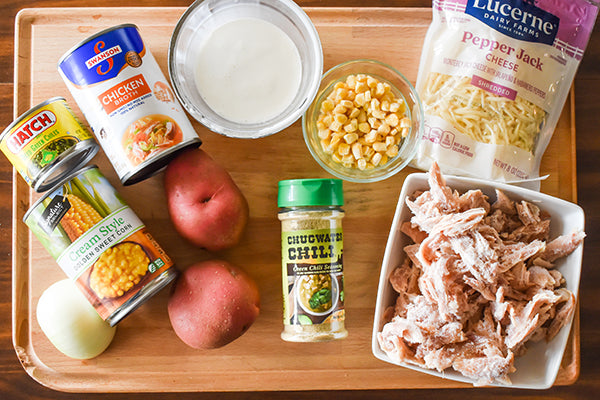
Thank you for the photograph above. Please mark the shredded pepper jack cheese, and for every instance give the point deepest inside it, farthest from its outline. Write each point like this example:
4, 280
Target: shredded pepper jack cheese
483, 116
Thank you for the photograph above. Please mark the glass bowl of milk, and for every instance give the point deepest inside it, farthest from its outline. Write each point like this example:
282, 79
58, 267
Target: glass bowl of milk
245, 68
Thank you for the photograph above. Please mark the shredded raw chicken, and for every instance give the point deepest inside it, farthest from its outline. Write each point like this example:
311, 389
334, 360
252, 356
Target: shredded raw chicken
477, 284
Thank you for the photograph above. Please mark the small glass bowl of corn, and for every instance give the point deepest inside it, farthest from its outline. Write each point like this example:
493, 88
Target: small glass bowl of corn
365, 122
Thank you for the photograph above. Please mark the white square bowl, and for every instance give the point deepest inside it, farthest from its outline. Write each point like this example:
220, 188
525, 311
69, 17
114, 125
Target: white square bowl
538, 367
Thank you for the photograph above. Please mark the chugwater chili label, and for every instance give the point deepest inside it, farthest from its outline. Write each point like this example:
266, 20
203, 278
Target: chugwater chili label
313, 276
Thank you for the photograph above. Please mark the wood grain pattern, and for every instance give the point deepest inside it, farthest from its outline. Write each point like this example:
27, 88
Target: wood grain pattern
259, 360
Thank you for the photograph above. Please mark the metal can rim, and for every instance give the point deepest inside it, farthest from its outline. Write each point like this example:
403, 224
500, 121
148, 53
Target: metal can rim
89, 148
155, 164
144, 294
94, 36
27, 113
58, 184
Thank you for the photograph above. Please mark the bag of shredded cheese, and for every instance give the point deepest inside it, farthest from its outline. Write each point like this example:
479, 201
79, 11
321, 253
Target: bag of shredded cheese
493, 78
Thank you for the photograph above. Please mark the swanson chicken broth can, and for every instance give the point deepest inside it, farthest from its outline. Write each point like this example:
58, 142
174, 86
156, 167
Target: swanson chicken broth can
100, 243
47, 143
128, 102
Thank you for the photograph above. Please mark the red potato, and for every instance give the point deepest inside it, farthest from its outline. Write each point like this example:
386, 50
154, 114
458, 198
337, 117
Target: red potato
212, 304
206, 206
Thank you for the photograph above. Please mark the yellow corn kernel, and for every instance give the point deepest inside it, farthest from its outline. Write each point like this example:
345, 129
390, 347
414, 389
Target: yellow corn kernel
351, 80
368, 152
392, 120
376, 159
335, 126
339, 109
379, 147
351, 126
360, 87
327, 120
341, 93
378, 114
348, 159
343, 149
357, 150
364, 127
405, 122
392, 151
375, 104
80, 217
359, 99
327, 105
347, 104
367, 96
374, 122
326, 146
361, 164
324, 133
371, 137
390, 141
335, 140
388, 96
380, 89
350, 138
383, 129
341, 118
362, 116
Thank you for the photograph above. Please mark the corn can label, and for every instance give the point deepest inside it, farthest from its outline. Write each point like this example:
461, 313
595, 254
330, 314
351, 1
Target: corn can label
97, 240
38, 140
313, 282
128, 102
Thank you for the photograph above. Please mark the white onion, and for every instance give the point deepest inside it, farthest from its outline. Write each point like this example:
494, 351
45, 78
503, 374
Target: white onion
71, 323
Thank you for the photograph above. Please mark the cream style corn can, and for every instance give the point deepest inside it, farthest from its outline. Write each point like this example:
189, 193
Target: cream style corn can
128, 102
100, 243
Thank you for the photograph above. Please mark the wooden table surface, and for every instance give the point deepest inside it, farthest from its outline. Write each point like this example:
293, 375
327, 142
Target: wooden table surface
16, 384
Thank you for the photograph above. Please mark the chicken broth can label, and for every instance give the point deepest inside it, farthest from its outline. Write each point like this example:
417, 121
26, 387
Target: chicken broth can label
46, 143
98, 241
313, 276
127, 100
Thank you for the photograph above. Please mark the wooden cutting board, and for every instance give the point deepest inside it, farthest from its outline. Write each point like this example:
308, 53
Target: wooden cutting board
146, 355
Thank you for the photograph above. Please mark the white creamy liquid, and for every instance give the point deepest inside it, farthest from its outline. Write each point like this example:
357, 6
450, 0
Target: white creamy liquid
248, 70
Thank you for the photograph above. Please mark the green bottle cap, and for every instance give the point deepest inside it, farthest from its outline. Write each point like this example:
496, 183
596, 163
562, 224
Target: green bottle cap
310, 192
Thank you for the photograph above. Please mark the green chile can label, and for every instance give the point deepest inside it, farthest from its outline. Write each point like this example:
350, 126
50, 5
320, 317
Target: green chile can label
313, 282
46, 143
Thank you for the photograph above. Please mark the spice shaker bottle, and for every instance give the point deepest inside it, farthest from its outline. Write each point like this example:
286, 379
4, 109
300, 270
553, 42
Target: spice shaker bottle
312, 259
